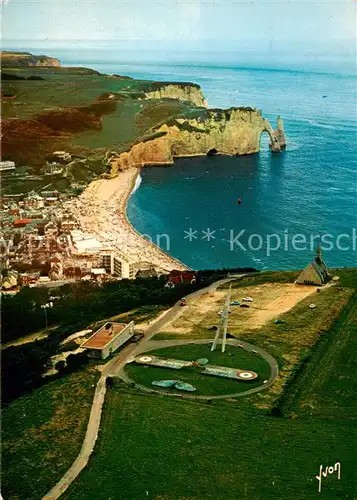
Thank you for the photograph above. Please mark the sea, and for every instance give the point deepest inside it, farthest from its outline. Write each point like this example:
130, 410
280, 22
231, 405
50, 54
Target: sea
290, 202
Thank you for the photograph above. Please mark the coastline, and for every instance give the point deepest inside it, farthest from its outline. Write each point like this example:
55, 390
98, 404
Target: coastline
123, 211
101, 210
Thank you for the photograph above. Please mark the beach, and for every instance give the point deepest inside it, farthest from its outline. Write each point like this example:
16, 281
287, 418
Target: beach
101, 211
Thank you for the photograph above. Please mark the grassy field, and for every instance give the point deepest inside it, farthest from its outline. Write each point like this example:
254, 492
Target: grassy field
206, 385
289, 343
42, 434
329, 378
167, 449
161, 448
77, 110
223, 451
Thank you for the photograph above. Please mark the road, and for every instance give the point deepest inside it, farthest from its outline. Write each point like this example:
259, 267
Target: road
114, 367
117, 363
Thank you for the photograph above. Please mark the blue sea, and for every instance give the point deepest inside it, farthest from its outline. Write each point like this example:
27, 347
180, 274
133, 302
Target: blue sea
290, 201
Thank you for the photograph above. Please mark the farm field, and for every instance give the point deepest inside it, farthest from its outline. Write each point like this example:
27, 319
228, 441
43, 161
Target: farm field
78, 110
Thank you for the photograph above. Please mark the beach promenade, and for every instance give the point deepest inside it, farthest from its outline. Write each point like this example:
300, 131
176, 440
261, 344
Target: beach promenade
101, 210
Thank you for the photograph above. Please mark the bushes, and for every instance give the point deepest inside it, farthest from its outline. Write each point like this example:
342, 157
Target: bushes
82, 303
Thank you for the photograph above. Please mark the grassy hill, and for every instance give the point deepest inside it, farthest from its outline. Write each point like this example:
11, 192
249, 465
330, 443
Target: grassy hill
97, 106
162, 448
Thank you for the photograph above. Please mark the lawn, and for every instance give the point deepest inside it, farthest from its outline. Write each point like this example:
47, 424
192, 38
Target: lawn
206, 385
42, 434
161, 448
165, 449
289, 343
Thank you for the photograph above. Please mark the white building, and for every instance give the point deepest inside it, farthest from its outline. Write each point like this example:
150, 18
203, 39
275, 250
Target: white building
108, 339
7, 165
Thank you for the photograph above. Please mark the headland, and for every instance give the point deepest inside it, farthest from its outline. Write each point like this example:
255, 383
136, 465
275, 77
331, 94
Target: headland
84, 135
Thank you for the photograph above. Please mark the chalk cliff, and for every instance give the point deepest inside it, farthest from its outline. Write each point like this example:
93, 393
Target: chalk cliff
15, 59
180, 91
235, 131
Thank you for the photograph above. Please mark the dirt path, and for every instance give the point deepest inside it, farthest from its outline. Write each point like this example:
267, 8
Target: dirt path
87, 446
113, 366
290, 296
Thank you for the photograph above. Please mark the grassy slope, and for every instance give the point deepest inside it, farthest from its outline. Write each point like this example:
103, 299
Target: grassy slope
229, 451
329, 379
42, 434
65, 88
179, 450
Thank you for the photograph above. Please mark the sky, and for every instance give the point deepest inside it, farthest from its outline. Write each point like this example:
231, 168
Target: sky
190, 25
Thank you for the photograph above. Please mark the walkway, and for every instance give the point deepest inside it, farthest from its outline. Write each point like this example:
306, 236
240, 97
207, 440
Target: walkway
87, 446
113, 367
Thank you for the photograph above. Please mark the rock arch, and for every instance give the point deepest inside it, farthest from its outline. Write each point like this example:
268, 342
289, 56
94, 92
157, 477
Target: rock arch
277, 136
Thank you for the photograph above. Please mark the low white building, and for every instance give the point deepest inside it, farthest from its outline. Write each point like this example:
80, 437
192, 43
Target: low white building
108, 339
7, 165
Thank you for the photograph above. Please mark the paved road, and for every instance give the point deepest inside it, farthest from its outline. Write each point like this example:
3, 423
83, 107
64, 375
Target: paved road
112, 368
117, 363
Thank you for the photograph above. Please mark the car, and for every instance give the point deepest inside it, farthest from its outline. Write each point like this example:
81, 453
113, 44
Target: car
183, 301
255, 352
244, 305
137, 337
247, 299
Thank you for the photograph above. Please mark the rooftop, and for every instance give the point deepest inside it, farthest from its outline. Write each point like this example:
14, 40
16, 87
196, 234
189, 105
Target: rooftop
104, 335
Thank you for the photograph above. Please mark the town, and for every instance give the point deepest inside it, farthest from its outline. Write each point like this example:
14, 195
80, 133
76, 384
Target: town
43, 242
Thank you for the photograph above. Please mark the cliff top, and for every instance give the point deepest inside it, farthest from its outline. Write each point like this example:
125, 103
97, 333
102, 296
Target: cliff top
47, 107
15, 59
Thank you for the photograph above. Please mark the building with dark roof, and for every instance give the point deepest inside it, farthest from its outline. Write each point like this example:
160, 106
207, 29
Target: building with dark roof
315, 273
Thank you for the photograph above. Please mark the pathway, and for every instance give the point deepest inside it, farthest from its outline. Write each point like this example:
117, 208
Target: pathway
113, 367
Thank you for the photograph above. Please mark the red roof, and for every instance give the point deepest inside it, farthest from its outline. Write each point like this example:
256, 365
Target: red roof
181, 276
55, 259
103, 336
22, 222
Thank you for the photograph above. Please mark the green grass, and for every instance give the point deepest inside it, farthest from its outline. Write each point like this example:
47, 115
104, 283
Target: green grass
42, 434
326, 384
206, 385
176, 449
263, 277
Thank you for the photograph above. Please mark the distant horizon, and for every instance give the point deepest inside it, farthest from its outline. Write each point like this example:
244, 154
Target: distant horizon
129, 53
318, 35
